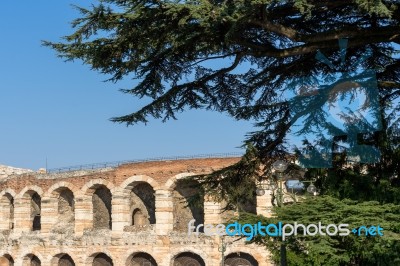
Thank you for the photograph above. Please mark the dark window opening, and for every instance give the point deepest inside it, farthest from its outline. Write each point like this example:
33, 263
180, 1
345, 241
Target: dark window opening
36, 211
102, 260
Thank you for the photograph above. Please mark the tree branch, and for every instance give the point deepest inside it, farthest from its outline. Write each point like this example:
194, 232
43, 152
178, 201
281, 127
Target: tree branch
257, 50
151, 109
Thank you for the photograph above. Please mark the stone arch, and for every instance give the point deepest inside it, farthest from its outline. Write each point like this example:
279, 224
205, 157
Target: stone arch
32, 188
140, 259
9, 191
142, 201
188, 259
100, 259
184, 250
7, 206
90, 186
6, 260
62, 259
66, 260
30, 208
240, 259
90, 214
62, 184
61, 207
31, 260
171, 182
251, 250
84, 204
126, 185
181, 192
139, 195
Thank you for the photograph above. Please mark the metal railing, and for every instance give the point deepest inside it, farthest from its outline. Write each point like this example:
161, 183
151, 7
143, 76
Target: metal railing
155, 159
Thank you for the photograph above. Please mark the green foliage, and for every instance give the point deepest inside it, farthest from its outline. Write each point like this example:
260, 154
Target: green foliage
380, 8
336, 250
234, 184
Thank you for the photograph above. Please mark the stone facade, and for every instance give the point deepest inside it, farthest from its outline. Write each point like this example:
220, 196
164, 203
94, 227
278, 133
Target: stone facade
132, 215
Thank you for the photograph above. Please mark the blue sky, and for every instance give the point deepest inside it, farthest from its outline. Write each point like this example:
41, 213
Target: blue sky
60, 110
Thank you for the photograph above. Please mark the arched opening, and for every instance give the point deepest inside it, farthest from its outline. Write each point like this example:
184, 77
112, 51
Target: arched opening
142, 202
62, 259
35, 261
6, 260
101, 201
102, 260
183, 213
141, 259
31, 260
7, 212
66, 205
240, 259
138, 218
36, 207
66, 260
188, 259
64, 198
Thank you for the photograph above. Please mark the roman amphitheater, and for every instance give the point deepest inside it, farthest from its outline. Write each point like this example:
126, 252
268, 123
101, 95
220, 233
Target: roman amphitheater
132, 214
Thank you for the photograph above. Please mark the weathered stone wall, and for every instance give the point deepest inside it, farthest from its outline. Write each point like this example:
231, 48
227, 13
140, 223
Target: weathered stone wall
75, 214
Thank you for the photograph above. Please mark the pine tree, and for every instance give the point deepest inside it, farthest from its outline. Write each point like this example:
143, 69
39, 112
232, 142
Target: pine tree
336, 250
171, 48
238, 57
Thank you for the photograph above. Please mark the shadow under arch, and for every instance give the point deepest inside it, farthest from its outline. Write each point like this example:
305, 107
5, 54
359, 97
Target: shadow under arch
141, 258
62, 259
101, 259
31, 260
188, 259
6, 260
240, 259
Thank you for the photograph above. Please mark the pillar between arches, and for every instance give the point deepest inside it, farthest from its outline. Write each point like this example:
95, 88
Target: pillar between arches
164, 212
212, 211
120, 211
83, 214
